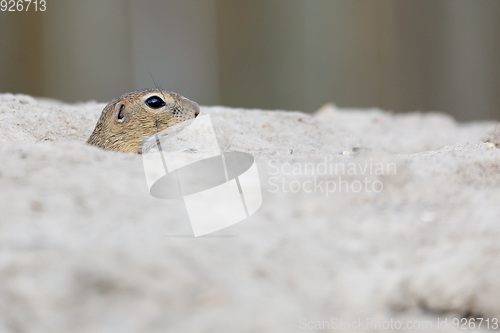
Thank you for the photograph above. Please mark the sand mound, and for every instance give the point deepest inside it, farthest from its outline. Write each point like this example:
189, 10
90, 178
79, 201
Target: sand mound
85, 248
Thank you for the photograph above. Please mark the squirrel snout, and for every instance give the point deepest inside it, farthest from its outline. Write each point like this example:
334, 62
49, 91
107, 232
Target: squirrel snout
196, 109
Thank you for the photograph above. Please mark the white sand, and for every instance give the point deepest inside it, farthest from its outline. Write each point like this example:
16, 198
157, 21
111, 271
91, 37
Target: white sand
85, 248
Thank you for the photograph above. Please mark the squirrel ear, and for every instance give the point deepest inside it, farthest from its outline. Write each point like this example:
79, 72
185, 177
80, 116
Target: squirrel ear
120, 114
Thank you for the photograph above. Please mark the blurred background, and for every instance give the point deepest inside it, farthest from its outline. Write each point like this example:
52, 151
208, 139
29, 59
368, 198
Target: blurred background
400, 55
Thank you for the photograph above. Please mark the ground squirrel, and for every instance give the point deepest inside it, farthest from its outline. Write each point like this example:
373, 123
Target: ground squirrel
128, 121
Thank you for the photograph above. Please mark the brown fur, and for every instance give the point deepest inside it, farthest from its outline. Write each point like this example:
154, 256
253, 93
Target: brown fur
141, 121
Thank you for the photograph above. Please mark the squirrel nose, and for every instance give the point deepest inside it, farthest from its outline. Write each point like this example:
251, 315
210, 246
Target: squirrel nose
196, 109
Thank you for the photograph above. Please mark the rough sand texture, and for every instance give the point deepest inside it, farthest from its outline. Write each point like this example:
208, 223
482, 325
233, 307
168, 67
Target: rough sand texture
85, 248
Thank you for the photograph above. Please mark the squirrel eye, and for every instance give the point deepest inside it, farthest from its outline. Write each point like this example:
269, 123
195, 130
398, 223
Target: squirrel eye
120, 114
155, 102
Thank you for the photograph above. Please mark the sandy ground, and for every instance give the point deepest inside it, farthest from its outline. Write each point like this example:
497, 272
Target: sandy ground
85, 248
